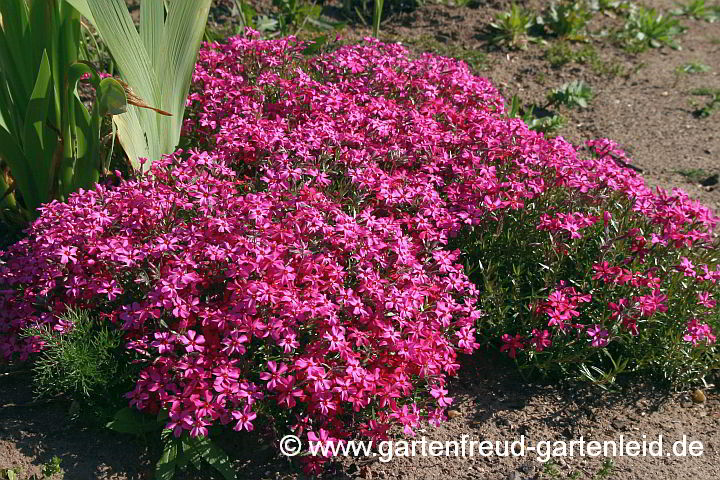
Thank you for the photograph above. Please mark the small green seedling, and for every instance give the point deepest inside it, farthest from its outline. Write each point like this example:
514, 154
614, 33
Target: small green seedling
53, 468
574, 94
548, 125
512, 28
551, 469
712, 104
606, 470
567, 20
698, 10
693, 67
646, 27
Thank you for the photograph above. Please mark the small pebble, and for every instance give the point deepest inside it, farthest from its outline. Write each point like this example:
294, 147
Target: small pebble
698, 396
453, 413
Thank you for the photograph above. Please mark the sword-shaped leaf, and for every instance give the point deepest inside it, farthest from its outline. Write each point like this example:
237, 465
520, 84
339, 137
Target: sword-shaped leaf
39, 140
165, 48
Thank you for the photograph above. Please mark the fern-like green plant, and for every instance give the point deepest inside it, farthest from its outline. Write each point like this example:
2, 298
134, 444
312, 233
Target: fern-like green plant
82, 363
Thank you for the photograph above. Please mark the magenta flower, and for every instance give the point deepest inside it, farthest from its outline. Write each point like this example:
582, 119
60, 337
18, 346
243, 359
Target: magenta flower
244, 419
440, 395
697, 332
274, 375
598, 336
705, 299
540, 339
68, 254
193, 341
512, 344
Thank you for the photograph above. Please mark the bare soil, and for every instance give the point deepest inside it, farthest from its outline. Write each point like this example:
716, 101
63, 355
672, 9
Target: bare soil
639, 102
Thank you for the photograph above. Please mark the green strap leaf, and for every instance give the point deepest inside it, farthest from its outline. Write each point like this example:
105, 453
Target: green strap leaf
183, 35
14, 65
8, 112
129, 420
15, 25
165, 48
139, 131
84, 9
130, 128
13, 155
39, 140
197, 449
117, 29
166, 466
219, 460
152, 28
42, 19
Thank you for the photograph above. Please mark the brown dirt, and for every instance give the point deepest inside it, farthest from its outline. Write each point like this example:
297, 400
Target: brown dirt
646, 109
492, 401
